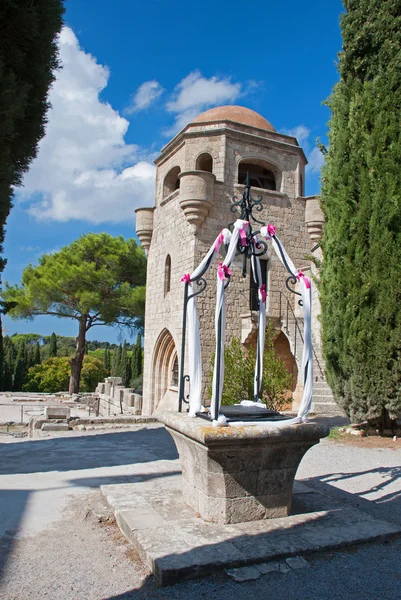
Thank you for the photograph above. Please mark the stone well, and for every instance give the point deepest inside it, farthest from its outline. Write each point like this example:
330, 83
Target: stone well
237, 474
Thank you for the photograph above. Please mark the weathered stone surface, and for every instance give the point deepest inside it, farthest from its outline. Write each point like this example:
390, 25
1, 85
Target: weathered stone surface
269, 567
236, 474
297, 562
55, 427
183, 223
183, 546
57, 412
243, 574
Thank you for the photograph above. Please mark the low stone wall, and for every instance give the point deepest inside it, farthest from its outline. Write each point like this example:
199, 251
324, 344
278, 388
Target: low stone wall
115, 399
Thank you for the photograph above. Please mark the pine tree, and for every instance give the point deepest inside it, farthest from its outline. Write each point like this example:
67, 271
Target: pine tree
20, 368
361, 199
38, 359
53, 346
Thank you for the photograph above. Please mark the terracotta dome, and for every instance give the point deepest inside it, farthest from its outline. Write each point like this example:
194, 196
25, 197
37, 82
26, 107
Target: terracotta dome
238, 114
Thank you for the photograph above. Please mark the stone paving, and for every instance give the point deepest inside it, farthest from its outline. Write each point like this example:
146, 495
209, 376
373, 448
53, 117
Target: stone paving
175, 543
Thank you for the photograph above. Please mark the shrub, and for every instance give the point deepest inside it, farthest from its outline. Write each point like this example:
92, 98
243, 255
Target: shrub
239, 374
53, 375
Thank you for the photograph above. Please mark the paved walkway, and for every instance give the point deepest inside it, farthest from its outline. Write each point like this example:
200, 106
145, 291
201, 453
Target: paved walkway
53, 546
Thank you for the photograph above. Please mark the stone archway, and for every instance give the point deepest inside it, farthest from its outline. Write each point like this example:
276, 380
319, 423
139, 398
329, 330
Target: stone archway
164, 358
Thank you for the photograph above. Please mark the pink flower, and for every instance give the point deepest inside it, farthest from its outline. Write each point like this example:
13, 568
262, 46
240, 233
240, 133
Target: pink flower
223, 271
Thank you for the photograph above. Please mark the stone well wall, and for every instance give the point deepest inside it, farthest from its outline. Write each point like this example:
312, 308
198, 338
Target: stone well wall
115, 399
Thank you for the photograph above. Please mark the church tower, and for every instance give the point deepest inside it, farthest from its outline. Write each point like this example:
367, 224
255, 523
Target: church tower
198, 173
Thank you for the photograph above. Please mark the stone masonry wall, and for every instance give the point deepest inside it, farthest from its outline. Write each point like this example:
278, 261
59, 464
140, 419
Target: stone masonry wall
186, 243
115, 399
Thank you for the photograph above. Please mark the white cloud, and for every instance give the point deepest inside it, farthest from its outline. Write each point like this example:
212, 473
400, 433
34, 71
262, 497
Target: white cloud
147, 93
84, 167
315, 157
315, 161
301, 133
195, 94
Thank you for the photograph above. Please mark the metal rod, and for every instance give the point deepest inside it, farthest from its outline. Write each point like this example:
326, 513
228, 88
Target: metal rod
217, 382
183, 335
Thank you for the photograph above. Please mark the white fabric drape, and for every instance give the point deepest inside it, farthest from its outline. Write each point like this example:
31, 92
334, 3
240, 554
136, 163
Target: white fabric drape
307, 355
220, 321
194, 345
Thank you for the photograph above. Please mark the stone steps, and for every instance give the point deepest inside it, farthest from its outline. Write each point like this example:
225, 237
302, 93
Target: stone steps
323, 401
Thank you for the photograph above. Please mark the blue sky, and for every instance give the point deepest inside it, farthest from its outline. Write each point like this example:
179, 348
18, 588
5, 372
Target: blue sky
133, 74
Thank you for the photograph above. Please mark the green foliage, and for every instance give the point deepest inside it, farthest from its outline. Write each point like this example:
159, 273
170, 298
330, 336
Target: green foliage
38, 359
239, 368
21, 368
53, 346
10, 354
26, 338
98, 279
107, 360
54, 373
1, 357
361, 201
28, 58
136, 361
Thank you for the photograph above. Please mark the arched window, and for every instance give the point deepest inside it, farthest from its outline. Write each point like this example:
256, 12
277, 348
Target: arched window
259, 175
171, 181
167, 274
174, 374
204, 162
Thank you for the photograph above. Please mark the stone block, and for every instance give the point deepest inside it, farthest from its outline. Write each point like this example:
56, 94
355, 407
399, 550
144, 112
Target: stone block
129, 399
118, 393
101, 388
57, 412
55, 427
138, 402
233, 475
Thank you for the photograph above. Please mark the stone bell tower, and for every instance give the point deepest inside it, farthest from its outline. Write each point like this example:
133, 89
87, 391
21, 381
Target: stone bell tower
198, 173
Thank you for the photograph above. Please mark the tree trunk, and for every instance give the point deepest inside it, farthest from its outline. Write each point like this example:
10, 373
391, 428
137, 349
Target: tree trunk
77, 359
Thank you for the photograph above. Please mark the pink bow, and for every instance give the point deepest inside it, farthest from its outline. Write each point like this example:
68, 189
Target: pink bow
263, 292
300, 276
271, 229
242, 235
186, 278
223, 271
219, 241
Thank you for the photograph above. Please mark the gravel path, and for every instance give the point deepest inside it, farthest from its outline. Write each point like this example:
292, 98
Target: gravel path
57, 544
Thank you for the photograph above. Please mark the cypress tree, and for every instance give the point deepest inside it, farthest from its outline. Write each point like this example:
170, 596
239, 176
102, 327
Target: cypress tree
138, 346
38, 359
20, 368
134, 363
28, 57
116, 362
361, 200
31, 356
9, 360
125, 366
2, 357
107, 361
53, 346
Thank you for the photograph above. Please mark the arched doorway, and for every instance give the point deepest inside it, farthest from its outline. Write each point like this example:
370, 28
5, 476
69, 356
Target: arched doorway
164, 370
